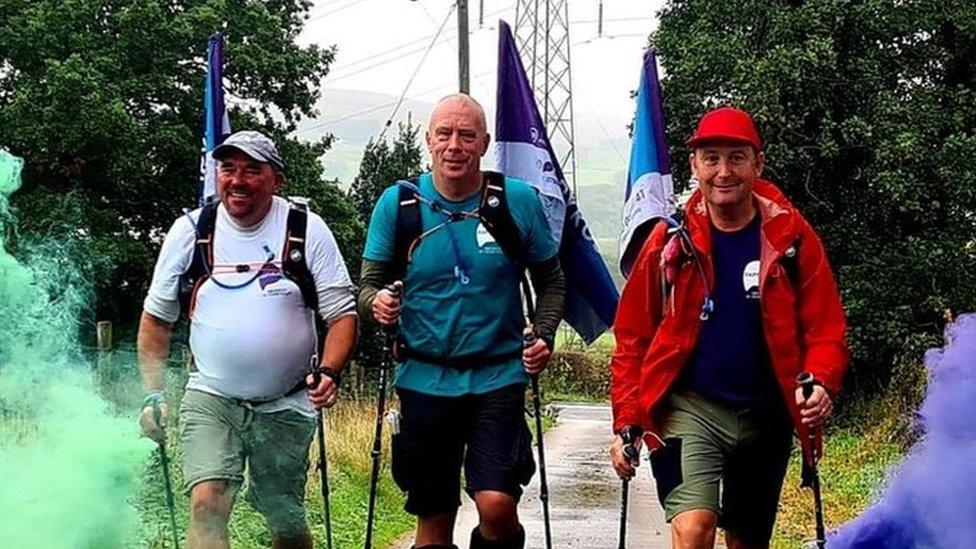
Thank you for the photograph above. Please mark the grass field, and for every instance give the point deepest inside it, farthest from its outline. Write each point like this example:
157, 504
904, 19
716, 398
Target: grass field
350, 434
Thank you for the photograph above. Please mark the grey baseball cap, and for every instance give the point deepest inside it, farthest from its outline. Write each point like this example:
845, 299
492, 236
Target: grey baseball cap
254, 144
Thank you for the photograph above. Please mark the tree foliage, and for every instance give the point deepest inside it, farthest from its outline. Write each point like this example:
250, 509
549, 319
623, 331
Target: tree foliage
868, 109
104, 100
383, 163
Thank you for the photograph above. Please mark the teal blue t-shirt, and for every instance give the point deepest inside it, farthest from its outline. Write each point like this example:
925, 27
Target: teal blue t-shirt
444, 315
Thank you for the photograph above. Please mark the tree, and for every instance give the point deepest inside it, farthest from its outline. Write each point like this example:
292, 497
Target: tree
104, 100
868, 109
383, 164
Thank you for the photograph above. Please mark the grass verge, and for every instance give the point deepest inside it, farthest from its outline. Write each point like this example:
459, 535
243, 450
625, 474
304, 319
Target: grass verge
350, 435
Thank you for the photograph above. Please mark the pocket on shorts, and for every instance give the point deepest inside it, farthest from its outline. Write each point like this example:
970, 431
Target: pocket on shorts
666, 467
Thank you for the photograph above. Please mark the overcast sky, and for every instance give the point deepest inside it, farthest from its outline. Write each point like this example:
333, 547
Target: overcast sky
381, 43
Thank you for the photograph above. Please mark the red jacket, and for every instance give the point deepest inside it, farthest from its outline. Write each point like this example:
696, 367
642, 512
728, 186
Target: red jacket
804, 326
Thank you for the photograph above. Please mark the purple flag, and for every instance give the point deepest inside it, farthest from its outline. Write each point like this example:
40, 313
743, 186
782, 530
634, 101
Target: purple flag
523, 151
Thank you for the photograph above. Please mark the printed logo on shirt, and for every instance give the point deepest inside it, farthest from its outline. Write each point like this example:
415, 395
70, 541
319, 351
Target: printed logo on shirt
486, 242
269, 275
750, 279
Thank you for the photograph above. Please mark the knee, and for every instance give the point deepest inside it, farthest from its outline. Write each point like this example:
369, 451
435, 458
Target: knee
498, 512
694, 529
211, 502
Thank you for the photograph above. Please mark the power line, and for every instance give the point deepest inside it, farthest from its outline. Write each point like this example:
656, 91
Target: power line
340, 8
447, 36
356, 114
369, 110
415, 71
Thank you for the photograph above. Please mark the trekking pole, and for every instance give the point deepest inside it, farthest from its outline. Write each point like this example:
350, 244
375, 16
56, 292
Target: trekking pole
811, 474
389, 332
317, 372
529, 339
323, 458
630, 452
164, 458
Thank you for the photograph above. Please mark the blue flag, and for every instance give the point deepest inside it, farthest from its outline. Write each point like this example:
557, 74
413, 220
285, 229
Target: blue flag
523, 151
216, 124
650, 191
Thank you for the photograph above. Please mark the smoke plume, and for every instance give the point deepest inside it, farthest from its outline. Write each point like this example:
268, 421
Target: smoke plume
930, 497
68, 467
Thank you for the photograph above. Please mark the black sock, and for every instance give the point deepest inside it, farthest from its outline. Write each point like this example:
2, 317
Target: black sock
478, 541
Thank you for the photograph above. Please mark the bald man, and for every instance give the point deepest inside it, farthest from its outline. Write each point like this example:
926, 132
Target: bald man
462, 369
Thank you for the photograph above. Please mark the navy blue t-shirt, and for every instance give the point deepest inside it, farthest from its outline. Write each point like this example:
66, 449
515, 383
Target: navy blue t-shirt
731, 363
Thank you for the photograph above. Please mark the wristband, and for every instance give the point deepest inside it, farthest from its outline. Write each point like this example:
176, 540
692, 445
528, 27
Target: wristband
334, 375
153, 399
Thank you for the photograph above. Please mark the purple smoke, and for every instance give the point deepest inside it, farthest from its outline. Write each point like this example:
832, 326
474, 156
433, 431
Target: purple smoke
930, 499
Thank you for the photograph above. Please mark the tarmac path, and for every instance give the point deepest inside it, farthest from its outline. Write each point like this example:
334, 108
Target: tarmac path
584, 493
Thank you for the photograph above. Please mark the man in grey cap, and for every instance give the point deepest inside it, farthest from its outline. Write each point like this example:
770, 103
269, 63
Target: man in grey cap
261, 282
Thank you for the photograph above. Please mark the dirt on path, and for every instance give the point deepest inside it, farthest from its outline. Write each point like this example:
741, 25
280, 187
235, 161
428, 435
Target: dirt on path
584, 493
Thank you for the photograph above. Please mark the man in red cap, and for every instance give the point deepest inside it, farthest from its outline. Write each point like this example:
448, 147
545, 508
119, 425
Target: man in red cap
721, 313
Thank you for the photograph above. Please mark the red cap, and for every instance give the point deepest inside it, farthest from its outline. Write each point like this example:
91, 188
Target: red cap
726, 124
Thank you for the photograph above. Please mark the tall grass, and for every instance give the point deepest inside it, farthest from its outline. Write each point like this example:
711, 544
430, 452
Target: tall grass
349, 427
867, 439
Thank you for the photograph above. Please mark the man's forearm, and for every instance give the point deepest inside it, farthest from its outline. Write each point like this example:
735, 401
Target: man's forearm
152, 345
340, 342
374, 274
550, 287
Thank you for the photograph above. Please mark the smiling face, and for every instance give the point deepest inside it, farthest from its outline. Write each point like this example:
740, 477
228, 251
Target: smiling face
457, 139
726, 172
246, 187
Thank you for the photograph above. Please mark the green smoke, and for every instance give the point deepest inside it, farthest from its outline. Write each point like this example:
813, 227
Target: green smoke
68, 466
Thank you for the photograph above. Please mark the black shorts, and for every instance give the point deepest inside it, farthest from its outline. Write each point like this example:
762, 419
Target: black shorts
487, 433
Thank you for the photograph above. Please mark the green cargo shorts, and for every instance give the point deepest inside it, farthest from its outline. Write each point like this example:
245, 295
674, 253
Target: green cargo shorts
221, 436
725, 459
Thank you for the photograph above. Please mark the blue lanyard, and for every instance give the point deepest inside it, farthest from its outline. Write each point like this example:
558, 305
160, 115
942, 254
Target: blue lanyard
460, 265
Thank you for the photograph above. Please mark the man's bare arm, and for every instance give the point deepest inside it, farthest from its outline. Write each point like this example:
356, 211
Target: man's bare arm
340, 342
153, 349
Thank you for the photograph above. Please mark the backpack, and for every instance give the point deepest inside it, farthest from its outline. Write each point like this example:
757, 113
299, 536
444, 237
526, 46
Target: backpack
675, 228
494, 214
293, 264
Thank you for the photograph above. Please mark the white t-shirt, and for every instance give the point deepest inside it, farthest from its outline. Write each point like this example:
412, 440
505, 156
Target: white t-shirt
252, 342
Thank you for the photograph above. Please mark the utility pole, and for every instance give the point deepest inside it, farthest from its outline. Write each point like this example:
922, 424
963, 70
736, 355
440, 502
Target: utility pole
542, 36
464, 84
599, 25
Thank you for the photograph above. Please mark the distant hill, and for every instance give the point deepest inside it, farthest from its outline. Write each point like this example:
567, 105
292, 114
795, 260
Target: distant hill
354, 117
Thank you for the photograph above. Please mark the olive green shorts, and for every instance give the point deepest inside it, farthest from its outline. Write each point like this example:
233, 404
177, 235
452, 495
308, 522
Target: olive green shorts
222, 438
725, 459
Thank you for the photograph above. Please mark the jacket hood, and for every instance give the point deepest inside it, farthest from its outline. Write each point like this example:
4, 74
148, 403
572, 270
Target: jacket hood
781, 223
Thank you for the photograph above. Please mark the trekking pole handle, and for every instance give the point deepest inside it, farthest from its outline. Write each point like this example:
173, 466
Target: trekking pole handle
394, 288
529, 338
805, 381
156, 414
319, 371
629, 435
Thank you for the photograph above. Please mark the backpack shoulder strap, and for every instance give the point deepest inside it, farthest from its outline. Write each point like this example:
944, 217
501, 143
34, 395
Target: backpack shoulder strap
497, 218
202, 262
294, 264
408, 226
